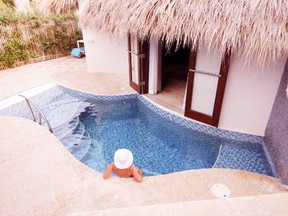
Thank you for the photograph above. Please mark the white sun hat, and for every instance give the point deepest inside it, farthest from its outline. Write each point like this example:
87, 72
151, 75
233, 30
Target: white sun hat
123, 158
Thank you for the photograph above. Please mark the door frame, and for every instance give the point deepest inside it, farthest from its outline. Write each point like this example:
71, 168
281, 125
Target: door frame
224, 69
142, 53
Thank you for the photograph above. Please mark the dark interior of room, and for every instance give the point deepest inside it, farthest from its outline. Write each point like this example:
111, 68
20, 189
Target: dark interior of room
175, 63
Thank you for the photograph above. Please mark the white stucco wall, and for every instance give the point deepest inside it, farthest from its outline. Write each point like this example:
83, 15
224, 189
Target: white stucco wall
249, 96
105, 54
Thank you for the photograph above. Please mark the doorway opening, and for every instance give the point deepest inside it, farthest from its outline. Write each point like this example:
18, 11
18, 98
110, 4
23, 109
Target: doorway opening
201, 72
175, 63
175, 66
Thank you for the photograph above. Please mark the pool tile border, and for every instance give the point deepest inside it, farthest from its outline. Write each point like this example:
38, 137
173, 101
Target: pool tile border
202, 127
174, 118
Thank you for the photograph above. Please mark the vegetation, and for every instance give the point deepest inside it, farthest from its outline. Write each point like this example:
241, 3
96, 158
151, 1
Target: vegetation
32, 36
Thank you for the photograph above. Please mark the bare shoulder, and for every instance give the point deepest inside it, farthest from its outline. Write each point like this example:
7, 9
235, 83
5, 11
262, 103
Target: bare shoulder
133, 167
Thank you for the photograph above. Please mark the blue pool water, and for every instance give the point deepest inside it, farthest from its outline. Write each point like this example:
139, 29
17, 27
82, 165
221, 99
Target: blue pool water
93, 127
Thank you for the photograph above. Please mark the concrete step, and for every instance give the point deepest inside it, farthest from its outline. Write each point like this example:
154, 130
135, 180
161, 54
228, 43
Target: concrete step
272, 204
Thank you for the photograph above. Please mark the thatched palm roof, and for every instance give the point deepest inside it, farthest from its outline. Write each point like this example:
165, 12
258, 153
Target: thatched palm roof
256, 28
59, 6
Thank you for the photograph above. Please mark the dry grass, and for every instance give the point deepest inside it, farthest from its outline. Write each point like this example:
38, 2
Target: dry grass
256, 28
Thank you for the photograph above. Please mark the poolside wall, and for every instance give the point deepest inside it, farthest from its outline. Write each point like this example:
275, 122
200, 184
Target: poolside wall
276, 134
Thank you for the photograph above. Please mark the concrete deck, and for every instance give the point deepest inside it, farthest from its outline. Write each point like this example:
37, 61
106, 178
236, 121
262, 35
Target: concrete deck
40, 177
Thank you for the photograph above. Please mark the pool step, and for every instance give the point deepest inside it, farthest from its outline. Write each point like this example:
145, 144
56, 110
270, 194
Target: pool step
94, 157
54, 102
250, 159
74, 137
57, 112
66, 128
82, 147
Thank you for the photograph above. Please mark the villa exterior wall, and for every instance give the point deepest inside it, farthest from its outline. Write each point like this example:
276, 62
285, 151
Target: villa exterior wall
249, 96
105, 54
276, 134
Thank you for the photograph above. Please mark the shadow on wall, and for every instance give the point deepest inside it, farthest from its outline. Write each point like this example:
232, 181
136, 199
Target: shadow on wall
276, 133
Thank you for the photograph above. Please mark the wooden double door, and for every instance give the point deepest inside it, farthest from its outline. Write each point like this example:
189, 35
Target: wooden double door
138, 58
206, 80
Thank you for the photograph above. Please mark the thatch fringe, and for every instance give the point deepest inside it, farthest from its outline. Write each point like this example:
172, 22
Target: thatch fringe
256, 28
61, 6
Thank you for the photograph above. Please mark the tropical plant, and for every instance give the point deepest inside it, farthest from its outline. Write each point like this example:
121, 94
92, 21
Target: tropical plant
25, 37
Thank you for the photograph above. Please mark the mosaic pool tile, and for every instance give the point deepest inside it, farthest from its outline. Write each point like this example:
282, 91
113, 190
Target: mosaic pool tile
252, 158
201, 127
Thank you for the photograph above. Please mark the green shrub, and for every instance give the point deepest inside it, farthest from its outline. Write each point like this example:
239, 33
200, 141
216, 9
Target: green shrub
14, 50
25, 36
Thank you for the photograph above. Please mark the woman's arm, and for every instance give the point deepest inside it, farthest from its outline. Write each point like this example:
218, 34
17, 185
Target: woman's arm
108, 171
137, 174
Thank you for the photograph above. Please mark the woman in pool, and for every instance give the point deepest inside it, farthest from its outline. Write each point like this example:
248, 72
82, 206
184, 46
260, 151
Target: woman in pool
123, 166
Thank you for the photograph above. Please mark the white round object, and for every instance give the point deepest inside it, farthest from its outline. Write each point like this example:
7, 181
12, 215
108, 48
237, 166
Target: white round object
220, 190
